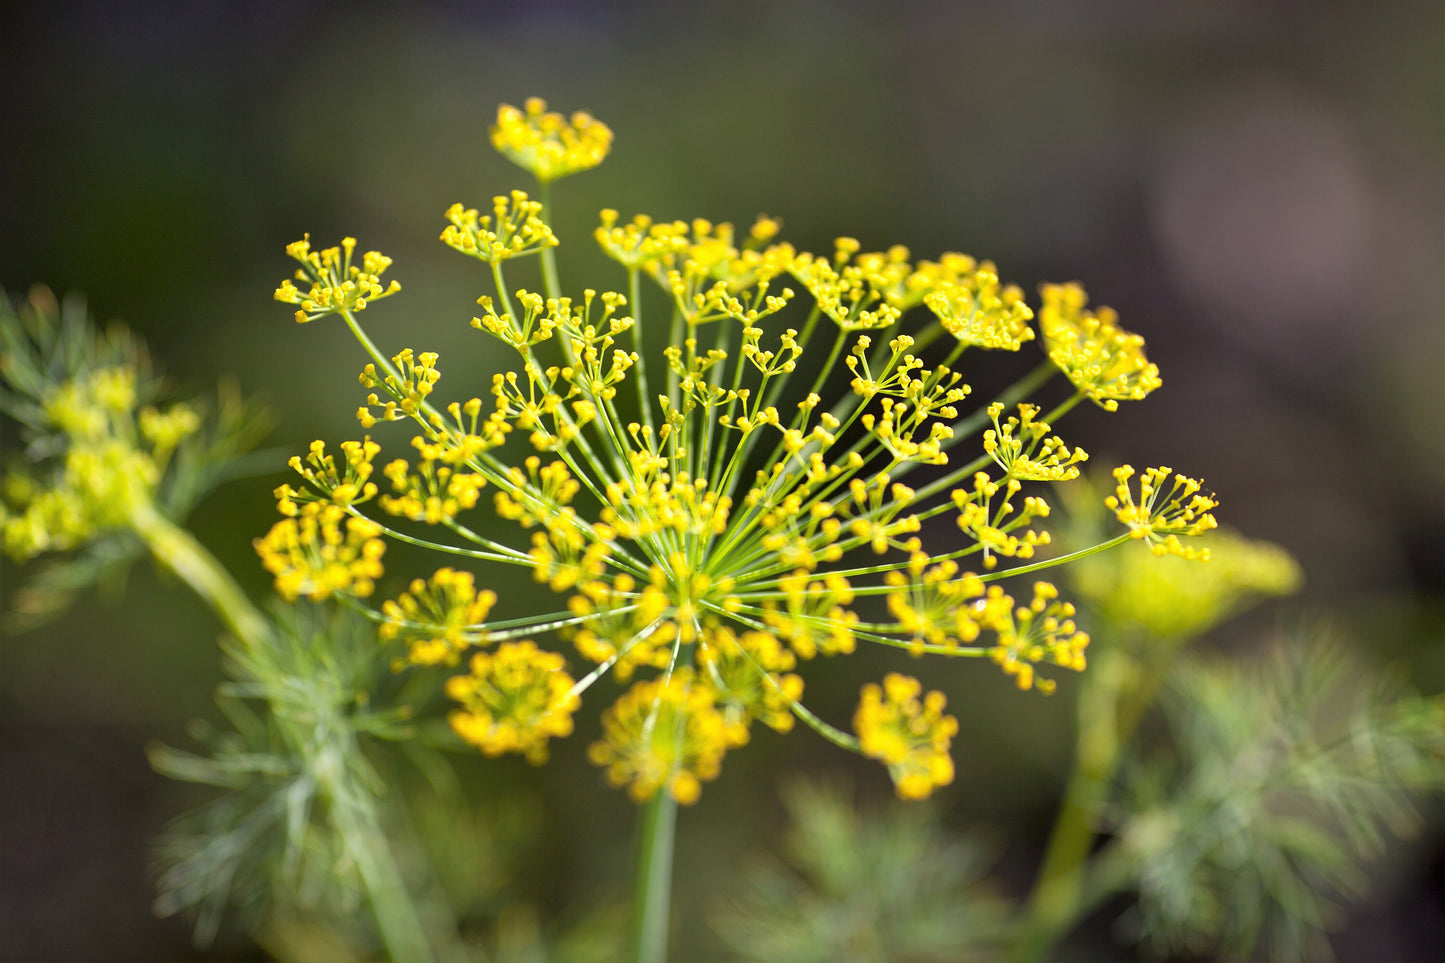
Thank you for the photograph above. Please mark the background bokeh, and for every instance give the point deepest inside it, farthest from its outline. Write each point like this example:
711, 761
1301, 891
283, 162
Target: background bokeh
1259, 189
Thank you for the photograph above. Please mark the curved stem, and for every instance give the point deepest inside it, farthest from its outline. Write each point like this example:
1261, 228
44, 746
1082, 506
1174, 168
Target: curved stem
178, 550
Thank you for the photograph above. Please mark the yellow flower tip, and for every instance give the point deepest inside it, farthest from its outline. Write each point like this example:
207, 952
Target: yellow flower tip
548, 144
1165, 510
908, 734
1105, 363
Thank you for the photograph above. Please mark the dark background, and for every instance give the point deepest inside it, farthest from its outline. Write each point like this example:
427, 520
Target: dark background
1259, 189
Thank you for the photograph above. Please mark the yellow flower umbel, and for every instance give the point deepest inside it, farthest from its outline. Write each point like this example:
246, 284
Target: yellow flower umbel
514, 700
103, 454
337, 285
1041, 631
322, 551
1162, 515
440, 617
908, 734
760, 499
665, 733
548, 144
1105, 362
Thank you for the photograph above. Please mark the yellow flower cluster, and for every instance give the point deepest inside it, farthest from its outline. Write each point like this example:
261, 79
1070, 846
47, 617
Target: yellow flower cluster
112, 452
665, 733
513, 700
433, 492
908, 734
845, 292
992, 526
933, 604
322, 550
617, 631
1042, 631
751, 675
548, 144
1023, 448
514, 228
439, 617
976, 309
337, 285
716, 525
98, 488
1162, 515
346, 486
1105, 362
813, 617
406, 385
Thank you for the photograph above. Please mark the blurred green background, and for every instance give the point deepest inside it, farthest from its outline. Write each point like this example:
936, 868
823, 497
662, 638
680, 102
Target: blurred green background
1257, 188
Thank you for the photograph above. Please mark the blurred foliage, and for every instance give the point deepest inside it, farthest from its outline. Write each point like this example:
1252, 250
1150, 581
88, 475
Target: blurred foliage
321, 831
96, 440
1247, 831
883, 886
291, 769
1131, 589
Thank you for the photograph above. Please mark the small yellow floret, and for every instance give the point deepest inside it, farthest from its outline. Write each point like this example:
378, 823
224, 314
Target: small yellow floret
1161, 515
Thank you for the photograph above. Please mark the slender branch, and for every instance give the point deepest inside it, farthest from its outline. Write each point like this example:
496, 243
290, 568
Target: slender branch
549, 257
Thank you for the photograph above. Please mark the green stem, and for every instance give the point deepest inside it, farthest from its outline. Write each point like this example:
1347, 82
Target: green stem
1116, 694
652, 888
550, 284
352, 810
178, 550
639, 344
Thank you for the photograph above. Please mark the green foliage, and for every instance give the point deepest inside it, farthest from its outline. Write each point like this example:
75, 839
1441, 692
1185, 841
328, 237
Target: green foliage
293, 773
1285, 775
888, 886
289, 848
101, 440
